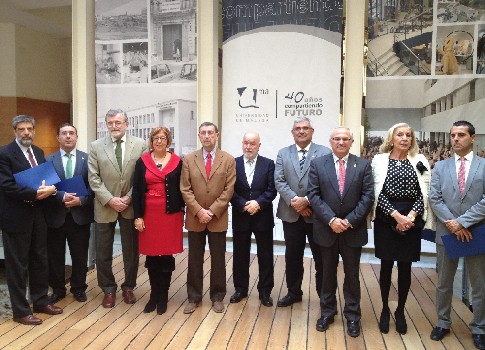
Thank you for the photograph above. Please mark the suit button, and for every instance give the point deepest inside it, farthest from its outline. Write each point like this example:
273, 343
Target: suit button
300, 186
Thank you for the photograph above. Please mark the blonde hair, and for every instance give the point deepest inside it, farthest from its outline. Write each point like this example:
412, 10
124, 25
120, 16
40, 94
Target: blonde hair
387, 146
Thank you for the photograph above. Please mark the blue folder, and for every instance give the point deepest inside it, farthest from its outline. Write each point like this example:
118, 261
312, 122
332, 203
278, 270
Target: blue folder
33, 177
73, 185
456, 248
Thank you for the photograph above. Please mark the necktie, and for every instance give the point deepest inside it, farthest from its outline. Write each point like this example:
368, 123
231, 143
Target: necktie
32, 161
119, 154
69, 166
461, 176
208, 165
303, 158
250, 171
341, 175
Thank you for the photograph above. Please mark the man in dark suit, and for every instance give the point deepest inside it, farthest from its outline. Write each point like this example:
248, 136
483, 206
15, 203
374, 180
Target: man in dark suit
291, 179
456, 197
341, 193
252, 211
111, 166
69, 217
24, 229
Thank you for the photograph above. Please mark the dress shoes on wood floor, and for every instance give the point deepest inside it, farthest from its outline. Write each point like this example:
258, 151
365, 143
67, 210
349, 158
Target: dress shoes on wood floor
48, 309
266, 300
237, 297
324, 322
28, 320
288, 300
128, 296
109, 300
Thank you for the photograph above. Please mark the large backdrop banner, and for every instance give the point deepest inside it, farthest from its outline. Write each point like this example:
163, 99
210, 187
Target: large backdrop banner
281, 59
146, 64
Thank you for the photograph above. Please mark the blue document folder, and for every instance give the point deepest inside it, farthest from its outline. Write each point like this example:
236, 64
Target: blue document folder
33, 177
456, 248
73, 185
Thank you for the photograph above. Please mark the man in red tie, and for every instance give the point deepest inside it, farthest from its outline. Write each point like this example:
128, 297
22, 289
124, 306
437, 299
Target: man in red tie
207, 186
23, 225
341, 193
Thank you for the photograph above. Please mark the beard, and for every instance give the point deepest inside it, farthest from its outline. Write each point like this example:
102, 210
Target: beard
24, 142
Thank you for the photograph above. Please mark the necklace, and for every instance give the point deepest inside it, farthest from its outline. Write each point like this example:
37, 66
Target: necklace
159, 162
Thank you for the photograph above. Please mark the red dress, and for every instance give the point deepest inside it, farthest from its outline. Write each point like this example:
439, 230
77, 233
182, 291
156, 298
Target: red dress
163, 232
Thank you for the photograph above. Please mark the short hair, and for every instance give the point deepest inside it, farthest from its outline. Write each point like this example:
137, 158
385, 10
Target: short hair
302, 118
471, 128
64, 125
209, 124
114, 112
160, 129
22, 119
387, 145
343, 127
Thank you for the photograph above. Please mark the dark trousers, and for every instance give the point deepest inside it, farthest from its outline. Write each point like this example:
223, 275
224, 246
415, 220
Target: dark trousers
295, 240
77, 237
240, 266
195, 271
26, 255
104, 238
351, 288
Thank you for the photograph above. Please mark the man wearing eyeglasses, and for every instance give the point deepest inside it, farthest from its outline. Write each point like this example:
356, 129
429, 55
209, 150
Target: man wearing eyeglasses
111, 166
291, 178
341, 193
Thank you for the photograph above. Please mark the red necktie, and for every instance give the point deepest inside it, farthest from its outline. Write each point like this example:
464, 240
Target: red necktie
461, 176
341, 175
208, 165
32, 161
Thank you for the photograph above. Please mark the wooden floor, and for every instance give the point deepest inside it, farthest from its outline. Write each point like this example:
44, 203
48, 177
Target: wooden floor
246, 325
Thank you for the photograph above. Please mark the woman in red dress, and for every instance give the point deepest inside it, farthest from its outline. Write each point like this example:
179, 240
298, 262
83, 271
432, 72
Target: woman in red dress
159, 214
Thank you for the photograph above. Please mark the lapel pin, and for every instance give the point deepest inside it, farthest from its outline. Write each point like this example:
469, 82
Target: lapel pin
355, 165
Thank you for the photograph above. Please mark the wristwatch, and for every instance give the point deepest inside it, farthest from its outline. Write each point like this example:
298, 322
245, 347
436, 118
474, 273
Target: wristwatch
412, 217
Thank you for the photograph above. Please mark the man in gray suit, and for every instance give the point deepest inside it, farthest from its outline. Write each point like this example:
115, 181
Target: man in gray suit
456, 197
111, 169
291, 177
69, 217
341, 193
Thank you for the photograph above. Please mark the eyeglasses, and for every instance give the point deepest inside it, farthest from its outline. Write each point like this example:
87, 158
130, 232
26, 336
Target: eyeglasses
159, 138
116, 123
302, 128
338, 139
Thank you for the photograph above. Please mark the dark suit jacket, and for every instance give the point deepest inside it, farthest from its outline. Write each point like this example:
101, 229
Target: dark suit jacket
16, 201
262, 190
56, 211
326, 201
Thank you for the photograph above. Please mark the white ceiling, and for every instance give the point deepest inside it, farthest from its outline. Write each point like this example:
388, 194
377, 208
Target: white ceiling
17, 12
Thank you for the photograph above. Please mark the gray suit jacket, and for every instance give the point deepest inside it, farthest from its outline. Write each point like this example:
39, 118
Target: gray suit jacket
354, 204
56, 211
106, 179
446, 200
290, 181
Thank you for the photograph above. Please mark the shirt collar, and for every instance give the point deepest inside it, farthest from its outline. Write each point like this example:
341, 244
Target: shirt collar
63, 153
22, 147
307, 148
468, 157
122, 139
205, 153
335, 158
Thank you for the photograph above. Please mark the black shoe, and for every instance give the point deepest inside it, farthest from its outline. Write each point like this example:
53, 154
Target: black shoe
324, 322
439, 333
288, 300
150, 306
237, 297
384, 320
266, 300
401, 325
479, 341
353, 328
80, 296
54, 298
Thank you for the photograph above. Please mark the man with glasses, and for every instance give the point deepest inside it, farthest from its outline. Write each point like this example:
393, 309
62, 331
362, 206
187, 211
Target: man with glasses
207, 186
111, 167
341, 193
291, 178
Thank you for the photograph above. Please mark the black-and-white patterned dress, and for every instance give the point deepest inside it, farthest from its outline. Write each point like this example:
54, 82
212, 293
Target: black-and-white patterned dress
401, 183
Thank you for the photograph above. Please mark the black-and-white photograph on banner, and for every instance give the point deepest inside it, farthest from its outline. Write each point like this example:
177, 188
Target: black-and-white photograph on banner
149, 106
140, 44
451, 11
120, 19
279, 62
455, 46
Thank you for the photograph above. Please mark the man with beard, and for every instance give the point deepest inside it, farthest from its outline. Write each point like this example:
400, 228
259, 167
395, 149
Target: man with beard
24, 229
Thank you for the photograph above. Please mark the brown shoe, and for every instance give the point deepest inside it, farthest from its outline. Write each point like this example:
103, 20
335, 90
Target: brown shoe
128, 296
218, 306
48, 309
28, 320
109, 300
190, 307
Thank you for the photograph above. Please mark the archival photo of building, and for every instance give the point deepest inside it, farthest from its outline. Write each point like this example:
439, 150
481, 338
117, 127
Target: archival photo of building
173, 35
121, 19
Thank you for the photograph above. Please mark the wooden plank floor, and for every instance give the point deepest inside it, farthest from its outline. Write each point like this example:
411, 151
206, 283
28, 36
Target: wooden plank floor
246, 325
